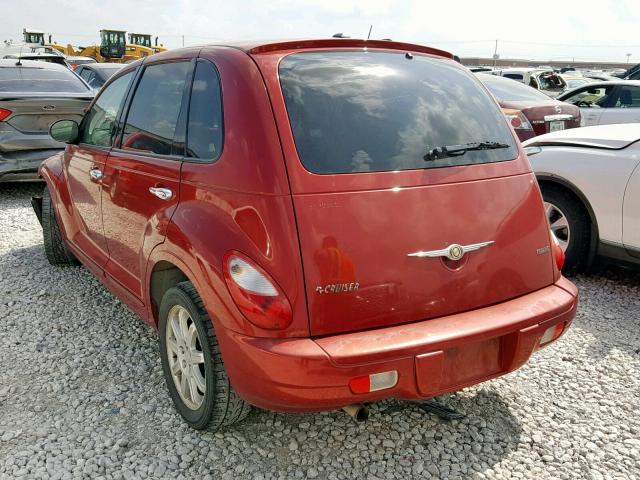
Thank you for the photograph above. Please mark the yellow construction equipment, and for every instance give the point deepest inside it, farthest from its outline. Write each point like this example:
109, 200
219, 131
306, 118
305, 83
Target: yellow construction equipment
144, 40
32, 36
113, 46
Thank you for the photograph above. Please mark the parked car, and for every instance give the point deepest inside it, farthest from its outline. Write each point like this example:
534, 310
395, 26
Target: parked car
604, 103
96, 74
590, 183
599, 75
574, 81
201, 222
76, 61
33, 95
530, 111
547, 81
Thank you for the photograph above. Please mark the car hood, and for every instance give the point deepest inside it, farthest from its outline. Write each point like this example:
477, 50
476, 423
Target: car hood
613, 137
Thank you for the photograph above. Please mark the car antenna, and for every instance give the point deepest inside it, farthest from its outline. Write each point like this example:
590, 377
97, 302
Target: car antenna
370, 28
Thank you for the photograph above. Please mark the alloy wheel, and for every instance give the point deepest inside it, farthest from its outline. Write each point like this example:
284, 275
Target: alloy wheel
186, 358
559, 224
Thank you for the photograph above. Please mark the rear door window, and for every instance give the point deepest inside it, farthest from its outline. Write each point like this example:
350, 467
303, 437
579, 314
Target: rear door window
628, 97
153, 115
374, 112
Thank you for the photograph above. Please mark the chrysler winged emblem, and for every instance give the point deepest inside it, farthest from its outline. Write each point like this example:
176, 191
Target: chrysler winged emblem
452, 252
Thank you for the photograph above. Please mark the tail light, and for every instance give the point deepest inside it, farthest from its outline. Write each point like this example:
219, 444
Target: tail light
4, 113
558, 253
373, 382
256, 294
517, 119
551, 334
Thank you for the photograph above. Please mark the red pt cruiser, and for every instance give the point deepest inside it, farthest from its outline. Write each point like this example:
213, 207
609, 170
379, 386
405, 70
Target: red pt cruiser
309, 224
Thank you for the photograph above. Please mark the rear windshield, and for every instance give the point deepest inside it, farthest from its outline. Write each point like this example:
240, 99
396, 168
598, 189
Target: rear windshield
374, 112
39, 80
510, 91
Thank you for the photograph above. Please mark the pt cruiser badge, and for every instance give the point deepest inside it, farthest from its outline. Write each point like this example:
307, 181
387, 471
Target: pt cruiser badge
338, 287
452, 252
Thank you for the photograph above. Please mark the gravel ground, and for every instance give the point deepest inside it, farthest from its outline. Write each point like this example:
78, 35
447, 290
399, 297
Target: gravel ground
82, 395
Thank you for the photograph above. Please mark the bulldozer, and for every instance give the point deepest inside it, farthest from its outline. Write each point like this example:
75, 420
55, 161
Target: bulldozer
144, 40
34, 37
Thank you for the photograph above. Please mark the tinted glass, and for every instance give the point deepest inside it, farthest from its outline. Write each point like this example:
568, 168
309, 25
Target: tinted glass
99, 125
371, 112
510, 91
38, 80
204, 131
628, 97
514, 76
153, 115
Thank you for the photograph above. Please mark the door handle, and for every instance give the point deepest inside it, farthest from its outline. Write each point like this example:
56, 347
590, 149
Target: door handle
161, 192
95, 174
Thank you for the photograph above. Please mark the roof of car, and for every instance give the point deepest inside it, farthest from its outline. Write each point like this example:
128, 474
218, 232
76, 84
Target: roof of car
12, 62
253, 47
611, 137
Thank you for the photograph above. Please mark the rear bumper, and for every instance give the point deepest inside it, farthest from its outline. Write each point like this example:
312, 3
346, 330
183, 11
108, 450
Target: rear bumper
22, 165
431, 357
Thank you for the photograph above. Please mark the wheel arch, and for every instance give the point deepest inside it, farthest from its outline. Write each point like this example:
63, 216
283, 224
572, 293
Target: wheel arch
164, 270
554, 180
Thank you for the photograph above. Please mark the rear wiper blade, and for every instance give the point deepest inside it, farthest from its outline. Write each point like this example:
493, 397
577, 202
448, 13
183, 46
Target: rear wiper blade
456, 150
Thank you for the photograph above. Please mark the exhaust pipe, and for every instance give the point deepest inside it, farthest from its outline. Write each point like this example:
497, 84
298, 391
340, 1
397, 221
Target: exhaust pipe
357, 411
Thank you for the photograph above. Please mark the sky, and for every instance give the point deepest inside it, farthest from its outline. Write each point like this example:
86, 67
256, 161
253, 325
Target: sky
542, 30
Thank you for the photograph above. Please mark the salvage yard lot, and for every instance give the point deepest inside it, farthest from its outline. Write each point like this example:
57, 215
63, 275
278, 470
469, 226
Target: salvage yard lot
82, 394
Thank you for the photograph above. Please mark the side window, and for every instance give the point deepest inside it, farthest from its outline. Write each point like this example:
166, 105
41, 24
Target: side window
153, 114
629, 97
88, 76
514, 76
99, 126
591, 97
204, 129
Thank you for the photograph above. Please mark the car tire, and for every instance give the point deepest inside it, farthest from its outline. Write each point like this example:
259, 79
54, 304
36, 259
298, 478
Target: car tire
55, 249
577, 219
216, 405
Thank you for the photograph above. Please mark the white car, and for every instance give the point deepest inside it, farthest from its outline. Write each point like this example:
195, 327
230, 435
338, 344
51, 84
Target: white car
603, 103
590, 182
547, 81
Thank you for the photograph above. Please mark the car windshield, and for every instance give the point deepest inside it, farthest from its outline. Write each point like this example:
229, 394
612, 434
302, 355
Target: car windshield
510, 91
38, 80
373, 112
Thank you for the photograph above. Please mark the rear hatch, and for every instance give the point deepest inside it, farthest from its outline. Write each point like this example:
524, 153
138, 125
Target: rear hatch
35, 113
372, 212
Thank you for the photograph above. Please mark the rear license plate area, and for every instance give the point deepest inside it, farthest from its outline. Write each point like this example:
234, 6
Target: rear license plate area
556, 126
469, 363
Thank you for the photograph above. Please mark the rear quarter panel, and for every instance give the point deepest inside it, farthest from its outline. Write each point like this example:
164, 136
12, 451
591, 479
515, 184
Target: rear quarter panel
240, 202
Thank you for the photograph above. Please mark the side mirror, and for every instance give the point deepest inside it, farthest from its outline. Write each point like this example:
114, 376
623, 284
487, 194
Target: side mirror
64, 131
